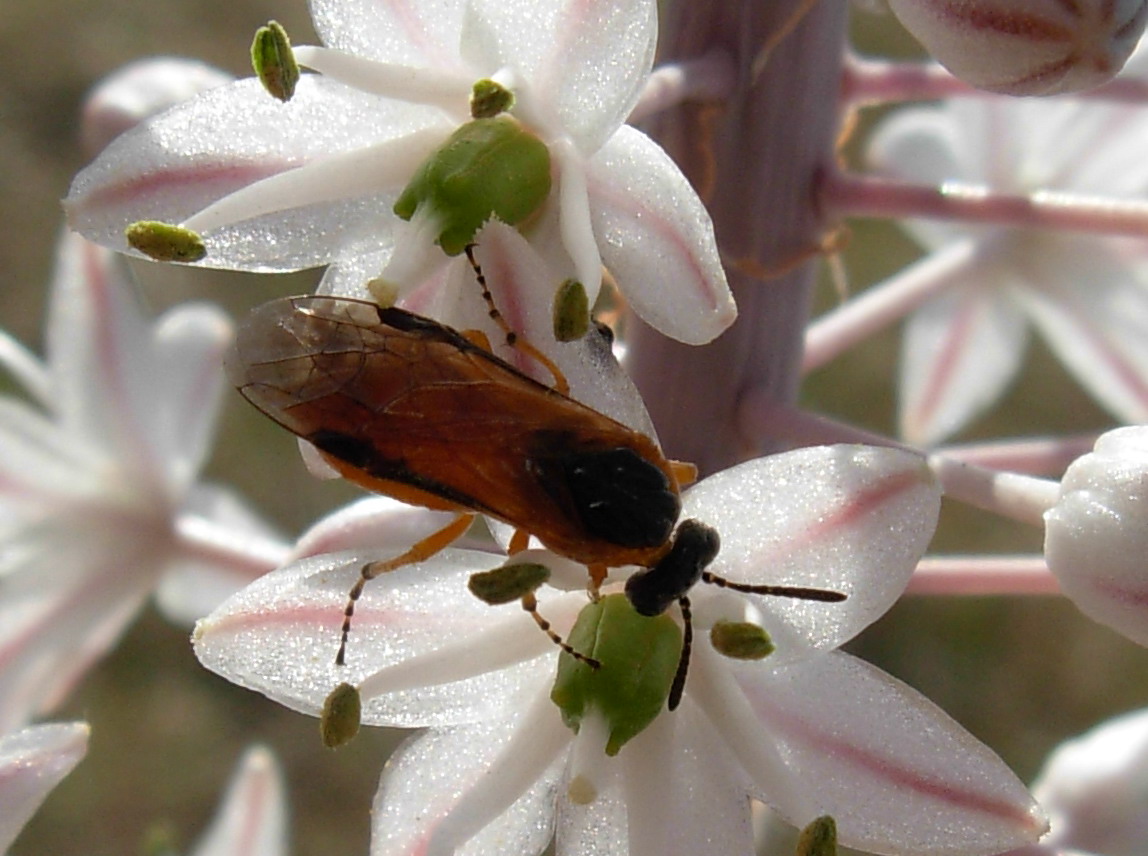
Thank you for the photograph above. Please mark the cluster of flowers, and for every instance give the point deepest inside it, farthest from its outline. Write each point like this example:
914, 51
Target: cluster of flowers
339, 167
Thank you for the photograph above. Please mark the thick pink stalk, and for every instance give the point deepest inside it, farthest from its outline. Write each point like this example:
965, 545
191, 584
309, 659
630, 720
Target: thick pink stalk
766, 147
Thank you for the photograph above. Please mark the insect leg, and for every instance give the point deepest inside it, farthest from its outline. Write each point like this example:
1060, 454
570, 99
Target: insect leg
684, 472
419, 552
512, 338
519, 541
598, 575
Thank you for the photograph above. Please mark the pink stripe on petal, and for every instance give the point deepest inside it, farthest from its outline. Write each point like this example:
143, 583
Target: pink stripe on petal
231, 174
855, 510
987, 19
653, 221
1125, 595
888, 770
945, 367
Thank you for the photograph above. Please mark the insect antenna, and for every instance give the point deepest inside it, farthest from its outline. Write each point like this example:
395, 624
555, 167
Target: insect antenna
798, 592
512, 338
518, 581
679, 685
530, 604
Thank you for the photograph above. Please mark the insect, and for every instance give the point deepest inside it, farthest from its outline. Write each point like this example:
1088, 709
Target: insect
404, 406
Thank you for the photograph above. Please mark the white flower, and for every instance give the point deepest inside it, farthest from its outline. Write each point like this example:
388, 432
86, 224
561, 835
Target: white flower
252, 819
281, 186
809, 730
1095, 787
32, 762
1088, 296
1027, 47
98, 481
1096, 535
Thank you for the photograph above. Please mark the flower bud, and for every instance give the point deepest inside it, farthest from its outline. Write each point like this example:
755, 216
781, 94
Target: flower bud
1095, 787
1096, 535
1027, 47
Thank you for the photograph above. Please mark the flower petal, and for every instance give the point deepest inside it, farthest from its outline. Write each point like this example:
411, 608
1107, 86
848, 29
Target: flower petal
852, 519
1092, 787
39, 463
279, 636
69, 589
252, 820
99, 354
897, 774
396, 31
1100, 331
198, 152
657, 239
377, 522
32, 762
684, 792
585, 62
429, 776
959, 352
191, 587
523, 289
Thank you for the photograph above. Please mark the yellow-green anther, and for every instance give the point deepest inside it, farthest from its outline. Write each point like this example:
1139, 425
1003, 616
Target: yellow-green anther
487, 168
488, 98
638, 657
165, 242
741, 640
341, 716
571, 311
508, 583
274, 61
819, 838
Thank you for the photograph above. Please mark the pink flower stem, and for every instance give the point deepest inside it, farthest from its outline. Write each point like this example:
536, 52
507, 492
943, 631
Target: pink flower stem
243, 553
754, 161
869, 81
763, 421
846, 194
982, 575
1032, 455
886, 303
710, 77
1018, 497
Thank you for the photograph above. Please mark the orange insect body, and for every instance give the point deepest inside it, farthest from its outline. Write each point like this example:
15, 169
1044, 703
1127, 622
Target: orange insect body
407, 407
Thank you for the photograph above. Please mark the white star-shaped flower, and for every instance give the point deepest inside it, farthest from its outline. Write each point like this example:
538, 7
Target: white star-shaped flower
98, 480
808, 730
1086, 295
280, 186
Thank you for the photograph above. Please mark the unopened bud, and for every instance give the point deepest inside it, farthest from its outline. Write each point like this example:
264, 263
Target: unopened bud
1096, 535
1027, 47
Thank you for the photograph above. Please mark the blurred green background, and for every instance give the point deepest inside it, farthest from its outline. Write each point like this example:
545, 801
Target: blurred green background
1021, 675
